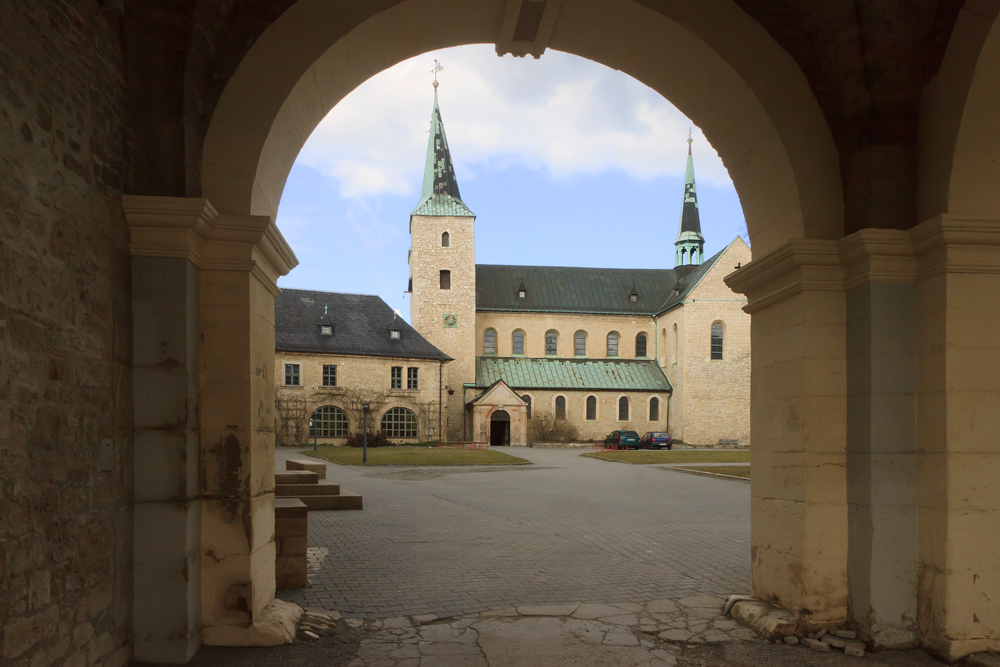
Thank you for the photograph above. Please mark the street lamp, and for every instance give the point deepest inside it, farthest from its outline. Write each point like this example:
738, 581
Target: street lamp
364, 450
312, 429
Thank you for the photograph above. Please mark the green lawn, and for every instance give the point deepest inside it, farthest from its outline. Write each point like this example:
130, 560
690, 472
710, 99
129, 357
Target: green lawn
412, 456
735, 471
646, 457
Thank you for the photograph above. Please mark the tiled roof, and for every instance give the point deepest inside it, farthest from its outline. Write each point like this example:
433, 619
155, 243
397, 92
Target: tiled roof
549, 373
361, 324
555, 289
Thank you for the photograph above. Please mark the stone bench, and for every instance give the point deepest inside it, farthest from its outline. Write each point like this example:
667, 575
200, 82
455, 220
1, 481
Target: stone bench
296, 477
317, 467
291, 528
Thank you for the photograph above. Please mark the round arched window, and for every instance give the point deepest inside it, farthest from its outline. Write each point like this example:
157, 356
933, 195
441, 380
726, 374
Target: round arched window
399, 423
328, 421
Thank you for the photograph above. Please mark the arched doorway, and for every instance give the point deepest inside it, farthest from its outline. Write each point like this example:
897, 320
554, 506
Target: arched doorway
499, 428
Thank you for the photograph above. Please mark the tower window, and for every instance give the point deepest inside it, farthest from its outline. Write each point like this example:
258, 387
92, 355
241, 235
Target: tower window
591, 408
551, 342
445, 240
560, 407
613, 344
518, 342
489, 342
445, 279
623, 409
717, 340
654, 409
580, 344
640, 345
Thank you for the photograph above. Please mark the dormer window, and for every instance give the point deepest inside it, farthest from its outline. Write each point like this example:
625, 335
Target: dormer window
394, 334
633, 296
522, 291
325, 330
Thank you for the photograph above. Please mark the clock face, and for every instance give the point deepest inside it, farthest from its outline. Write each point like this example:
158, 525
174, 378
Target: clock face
450, 321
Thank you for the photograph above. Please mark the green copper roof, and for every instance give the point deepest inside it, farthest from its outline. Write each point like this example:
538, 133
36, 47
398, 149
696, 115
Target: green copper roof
440, 195
548, 373
690, 227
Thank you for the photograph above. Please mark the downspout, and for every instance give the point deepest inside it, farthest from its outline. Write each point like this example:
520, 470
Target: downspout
441, 397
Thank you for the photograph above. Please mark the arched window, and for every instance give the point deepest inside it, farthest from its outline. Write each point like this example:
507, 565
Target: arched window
623, 409
613, 344
640, 345
551, 342
399, 423
445, 240
677, 344
654, 409
591, 408
527, 399
560, 407
328, 421
489, 342
717, 340
518, 342
580, 344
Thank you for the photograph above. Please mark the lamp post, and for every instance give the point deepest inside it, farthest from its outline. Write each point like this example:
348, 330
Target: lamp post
364, 446
312, 429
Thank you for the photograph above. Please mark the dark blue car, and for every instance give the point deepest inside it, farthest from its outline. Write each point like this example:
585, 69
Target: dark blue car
656, 440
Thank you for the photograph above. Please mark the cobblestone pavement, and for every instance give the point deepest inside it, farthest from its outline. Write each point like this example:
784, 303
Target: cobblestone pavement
568, 529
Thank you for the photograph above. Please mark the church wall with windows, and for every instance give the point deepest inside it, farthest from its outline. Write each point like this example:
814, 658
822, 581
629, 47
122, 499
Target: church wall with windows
536, 325
606, 414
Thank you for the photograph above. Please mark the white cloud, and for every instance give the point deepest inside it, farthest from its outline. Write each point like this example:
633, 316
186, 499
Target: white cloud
563, 114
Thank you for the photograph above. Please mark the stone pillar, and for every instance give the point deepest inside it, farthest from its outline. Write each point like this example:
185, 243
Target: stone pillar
236, 261
880, 279
958, 431
167, 515
798, 411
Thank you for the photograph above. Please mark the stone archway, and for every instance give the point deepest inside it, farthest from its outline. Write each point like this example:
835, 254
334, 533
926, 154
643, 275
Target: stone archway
499, 428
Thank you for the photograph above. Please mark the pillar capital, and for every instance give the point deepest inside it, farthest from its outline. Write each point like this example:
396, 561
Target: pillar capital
800, 265
191, 228
877, 256
952, 243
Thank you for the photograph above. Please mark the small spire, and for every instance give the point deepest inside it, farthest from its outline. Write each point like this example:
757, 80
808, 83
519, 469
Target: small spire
690, 243
690, 139
326, 308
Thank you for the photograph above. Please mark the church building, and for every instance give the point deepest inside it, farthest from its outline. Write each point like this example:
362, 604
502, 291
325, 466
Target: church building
602, 349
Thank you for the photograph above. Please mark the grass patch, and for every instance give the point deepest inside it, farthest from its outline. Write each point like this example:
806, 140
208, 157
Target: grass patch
411, 456
649, 457
735, 471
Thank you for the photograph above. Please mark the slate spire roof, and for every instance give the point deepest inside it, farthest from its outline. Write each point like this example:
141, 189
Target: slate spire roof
440, 195
690, 228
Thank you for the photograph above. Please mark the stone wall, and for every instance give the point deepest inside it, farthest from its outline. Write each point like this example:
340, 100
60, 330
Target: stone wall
535, 326
429, 303
65, 339
369, 375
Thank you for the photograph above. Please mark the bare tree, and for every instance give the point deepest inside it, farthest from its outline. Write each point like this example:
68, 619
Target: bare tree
544, 428
290, 420
352, 400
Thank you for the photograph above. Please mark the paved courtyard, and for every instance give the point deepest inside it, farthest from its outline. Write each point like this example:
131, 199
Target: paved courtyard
568, 529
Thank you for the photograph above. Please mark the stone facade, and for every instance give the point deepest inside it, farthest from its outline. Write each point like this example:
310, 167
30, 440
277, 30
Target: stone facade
429, 303
361, 378
65, 338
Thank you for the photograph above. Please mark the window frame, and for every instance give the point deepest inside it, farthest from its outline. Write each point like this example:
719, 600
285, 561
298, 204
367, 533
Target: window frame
399, 416
445, 239
628, 408
588, 412
527, 398
645, 345
395, 377
293, 372
557, 409
618, 339
579, 336
717, 354
317, 432
553, 345
487, 344
413, 378
514, 341
329, 375
653, 400
444, 279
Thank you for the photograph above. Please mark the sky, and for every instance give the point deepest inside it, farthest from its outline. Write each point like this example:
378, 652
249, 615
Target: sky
565, 162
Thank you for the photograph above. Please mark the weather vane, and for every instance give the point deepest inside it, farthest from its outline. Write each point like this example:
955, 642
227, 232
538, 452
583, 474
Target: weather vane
437, 68
690, 130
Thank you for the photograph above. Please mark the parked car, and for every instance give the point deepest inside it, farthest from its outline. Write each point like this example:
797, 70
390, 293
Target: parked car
656, 440
627, 439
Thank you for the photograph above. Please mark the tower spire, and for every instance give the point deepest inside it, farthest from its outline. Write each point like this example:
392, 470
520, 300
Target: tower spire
439, 195
690, 244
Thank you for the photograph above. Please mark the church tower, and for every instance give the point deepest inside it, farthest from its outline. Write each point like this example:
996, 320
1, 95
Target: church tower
443, 271
690, 244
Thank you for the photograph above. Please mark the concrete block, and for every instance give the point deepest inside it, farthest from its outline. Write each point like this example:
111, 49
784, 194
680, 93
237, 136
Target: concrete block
286, 527
298, 490
303, 464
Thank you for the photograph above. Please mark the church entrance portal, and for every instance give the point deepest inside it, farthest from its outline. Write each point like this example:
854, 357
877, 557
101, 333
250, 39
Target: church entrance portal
499, 428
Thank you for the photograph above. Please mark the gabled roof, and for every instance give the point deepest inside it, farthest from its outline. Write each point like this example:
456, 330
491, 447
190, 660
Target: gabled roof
690, 281
548, 373
439, 195
501, 388
360, 323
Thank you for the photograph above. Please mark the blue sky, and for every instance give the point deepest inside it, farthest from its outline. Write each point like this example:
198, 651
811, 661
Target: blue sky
565, 162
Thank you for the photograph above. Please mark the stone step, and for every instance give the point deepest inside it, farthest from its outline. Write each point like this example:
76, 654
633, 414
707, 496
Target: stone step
295, 477
345, 501
290, 508
314, 465
301, 490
